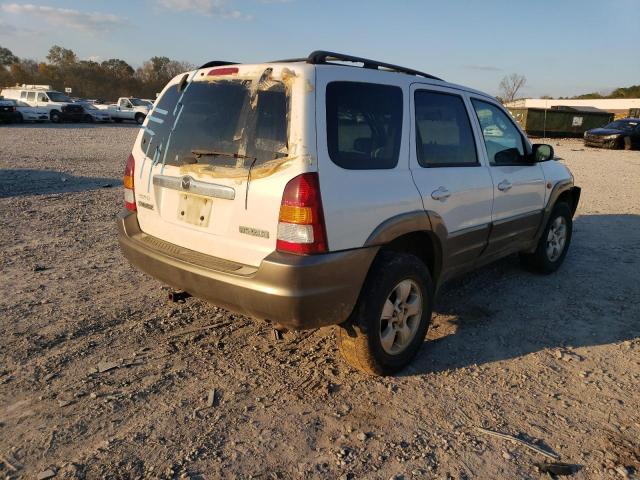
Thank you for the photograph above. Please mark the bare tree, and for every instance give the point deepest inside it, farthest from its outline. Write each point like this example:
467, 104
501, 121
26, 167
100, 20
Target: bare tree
510, 86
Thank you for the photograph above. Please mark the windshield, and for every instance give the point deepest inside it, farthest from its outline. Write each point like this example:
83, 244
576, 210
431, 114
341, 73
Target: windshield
621, 125
88, 106
227, 117
58, 97
138, 103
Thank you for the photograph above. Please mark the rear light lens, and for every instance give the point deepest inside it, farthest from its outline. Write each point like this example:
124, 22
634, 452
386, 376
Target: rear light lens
223, 71
301, 227
129, 194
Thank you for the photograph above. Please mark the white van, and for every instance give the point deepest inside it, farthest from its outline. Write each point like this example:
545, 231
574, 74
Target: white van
310, 192
58, 106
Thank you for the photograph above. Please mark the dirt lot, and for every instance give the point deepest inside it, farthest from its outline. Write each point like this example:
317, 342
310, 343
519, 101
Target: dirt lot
555, 360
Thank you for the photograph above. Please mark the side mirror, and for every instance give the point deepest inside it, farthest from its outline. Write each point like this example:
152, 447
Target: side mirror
542, 152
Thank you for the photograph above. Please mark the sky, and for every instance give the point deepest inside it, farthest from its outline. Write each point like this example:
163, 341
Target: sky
562, 47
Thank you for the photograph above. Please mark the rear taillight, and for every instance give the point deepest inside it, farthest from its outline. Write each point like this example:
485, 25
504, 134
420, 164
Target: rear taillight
223, 71
129, 194
301, 226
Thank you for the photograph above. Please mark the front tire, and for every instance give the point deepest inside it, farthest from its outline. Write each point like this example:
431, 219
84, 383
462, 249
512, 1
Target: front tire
392, 316
554, 242
55, 117
627, 143
139, 118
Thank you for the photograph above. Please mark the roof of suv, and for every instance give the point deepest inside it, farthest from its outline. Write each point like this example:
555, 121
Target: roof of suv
323, 57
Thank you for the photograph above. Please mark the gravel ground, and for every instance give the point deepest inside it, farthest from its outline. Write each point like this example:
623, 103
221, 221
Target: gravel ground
100, 377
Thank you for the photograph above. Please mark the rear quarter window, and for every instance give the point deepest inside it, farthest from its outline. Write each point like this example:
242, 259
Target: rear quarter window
364, 125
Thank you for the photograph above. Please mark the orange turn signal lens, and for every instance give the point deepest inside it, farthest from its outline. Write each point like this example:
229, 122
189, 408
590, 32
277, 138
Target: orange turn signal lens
128, 182
295, 214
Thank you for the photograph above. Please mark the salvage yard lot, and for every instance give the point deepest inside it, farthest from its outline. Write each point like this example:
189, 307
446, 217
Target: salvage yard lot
101, 377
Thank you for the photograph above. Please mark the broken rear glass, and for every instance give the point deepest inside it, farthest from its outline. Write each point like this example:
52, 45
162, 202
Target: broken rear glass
246, 124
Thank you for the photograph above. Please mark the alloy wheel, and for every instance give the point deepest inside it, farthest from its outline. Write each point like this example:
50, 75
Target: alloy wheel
556, 238
400, 317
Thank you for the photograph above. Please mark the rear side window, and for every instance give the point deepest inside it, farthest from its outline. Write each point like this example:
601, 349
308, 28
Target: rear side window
443, 131
364, 125
31, 96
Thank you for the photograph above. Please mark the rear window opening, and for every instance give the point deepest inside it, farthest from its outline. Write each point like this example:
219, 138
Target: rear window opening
228, 123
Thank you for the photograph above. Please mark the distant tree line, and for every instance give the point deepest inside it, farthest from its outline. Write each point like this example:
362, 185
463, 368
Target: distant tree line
625, 92
105, 80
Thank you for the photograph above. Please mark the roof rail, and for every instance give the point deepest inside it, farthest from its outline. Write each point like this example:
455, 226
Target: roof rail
216, 63
323, 57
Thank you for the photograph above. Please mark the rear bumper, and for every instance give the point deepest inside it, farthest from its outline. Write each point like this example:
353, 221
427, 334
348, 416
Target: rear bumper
72, 116
9, 117
298, 292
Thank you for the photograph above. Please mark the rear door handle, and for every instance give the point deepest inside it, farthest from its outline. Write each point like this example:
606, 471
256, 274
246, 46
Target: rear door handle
440, 194
504, 185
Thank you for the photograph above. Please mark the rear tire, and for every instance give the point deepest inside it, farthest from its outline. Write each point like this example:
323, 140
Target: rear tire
19, 118
553, 244
390, 321
55, 117
627, 143
139, 118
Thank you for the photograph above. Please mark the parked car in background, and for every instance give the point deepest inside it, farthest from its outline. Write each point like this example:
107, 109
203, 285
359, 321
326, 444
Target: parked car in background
8, 112
128, 108
310, 193
59, 106
94, 114
15, 111
25, 113
620, 134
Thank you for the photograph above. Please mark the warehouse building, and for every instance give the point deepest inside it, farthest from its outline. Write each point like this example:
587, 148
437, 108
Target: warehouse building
620, 107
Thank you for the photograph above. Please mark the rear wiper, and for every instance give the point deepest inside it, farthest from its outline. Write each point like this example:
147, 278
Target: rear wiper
213, 153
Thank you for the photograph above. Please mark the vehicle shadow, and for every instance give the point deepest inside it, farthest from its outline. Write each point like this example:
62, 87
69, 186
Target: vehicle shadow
23, 182
63, 125
502, 312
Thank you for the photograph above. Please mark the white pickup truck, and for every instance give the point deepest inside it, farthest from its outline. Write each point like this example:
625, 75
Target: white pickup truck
128, 108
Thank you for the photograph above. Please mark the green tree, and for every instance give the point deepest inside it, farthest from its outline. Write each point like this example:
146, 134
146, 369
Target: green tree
158, 63
117, 67
7, 58
61, 57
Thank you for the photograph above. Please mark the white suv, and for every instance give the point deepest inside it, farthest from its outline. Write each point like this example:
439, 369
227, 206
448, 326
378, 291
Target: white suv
58, 106
310, 193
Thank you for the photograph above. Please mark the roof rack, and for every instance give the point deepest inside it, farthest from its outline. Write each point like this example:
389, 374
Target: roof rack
319, 57
216, 63
323, 57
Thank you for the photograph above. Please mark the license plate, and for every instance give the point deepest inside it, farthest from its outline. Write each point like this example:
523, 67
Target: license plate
194, 209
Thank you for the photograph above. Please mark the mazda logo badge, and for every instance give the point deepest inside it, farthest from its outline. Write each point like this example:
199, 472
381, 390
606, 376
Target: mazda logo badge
186, 182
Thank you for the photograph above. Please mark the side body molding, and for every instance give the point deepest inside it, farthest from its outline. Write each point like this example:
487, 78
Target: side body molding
467, 249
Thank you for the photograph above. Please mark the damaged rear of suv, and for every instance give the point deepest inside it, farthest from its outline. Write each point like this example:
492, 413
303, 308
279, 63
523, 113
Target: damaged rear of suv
310, 193
224, 200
